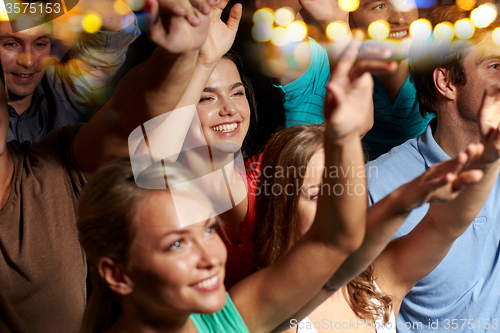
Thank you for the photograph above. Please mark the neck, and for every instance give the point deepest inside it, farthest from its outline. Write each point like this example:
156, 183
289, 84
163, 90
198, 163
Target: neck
137, 319
454, 133
394, 81
6, 173
21, 104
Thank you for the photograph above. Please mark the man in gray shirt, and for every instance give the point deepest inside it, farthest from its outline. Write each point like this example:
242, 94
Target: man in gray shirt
41, 97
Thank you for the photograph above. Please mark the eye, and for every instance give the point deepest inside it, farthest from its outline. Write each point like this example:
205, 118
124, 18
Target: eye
206, 99
212, 228
10, 45
176, 245
495, 66
41, 45
239, 93
381, 6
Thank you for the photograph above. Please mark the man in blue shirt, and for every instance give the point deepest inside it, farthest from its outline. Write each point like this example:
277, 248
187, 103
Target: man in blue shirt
463, 293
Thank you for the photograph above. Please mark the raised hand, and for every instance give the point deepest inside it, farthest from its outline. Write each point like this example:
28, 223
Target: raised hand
220, 35
187, 8
348, 101
488, 119
324, 11
175, 33
443, 181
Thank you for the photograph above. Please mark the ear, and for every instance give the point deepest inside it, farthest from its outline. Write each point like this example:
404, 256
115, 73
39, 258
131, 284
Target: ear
115, 277
443, 83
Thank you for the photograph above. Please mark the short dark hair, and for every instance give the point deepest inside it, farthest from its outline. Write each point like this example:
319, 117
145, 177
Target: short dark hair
446, 55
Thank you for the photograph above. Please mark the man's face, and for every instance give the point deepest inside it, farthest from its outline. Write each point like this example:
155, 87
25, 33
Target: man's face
482, 69
398, 13
23, 55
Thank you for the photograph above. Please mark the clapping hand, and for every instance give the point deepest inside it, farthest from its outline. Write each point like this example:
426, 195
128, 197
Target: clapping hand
489, 121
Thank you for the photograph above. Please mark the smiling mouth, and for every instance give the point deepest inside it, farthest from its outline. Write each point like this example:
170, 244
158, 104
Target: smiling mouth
225, 128
399, 34
23, 75
208, 283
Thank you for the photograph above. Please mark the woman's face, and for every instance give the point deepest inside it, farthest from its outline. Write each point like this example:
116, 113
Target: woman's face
223, 109
398, 13
311, 187
176, 268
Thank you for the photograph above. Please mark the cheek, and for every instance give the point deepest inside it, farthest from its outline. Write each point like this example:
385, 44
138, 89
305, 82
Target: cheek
307, 212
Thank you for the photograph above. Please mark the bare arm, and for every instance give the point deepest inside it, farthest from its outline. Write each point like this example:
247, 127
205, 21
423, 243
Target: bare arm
271, 295
150, 89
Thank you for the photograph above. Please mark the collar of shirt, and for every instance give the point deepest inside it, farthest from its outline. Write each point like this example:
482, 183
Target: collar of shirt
429, 149
36, 101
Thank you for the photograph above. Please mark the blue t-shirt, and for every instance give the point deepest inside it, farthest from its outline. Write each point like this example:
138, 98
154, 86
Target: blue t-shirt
466, 284
303, 101
227, 320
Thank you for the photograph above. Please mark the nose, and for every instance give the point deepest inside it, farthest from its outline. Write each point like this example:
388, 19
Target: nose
26, 59
396, 17
208, 258
228, 108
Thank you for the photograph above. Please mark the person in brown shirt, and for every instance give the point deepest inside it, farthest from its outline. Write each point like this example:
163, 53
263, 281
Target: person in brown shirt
42, 267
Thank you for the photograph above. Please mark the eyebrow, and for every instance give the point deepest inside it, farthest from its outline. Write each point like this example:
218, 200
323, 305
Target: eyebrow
488, 58
215, 89
369, 2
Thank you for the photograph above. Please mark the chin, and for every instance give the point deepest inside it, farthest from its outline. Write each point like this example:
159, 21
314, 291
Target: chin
214, 303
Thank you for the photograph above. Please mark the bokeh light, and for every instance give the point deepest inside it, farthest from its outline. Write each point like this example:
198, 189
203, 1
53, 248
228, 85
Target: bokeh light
296, 31
120, 7
484, 15
302, 53
91, 23
279, 37
420, 29
135, 5
262, 32
466, 4
284, 16
444, 31
379, 30
349, 5
337, 31
264, 15
3, 12
496, 36
464, 29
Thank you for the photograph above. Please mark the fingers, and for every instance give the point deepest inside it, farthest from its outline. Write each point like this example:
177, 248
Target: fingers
489, 114
348, 57
372, 66
234, 17
185, 8
466, 179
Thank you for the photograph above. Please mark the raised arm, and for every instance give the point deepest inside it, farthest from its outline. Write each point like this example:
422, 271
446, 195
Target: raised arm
148, 90
441, 182
269, 296
411, 257
220, 39
93, 61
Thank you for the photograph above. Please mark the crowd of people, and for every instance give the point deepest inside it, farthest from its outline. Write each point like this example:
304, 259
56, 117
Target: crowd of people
374, 210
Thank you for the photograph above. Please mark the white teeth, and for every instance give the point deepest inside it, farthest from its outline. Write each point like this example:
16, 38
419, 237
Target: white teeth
23, 75
225, 128
400, 34
208, 282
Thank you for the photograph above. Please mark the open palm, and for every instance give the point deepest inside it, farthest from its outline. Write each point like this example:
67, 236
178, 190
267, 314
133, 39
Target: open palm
220, 35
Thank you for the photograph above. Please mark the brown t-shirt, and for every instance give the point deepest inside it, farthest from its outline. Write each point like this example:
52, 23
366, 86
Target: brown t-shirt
42, 266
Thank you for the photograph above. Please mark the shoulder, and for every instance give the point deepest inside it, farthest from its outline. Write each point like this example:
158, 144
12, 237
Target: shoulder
400, 165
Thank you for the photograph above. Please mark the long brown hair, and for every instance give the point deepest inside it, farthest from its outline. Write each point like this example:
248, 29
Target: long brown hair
105, 224
287, 153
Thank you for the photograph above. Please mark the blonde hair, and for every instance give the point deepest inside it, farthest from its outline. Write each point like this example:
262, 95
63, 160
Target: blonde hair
277, 222
106, 214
